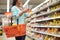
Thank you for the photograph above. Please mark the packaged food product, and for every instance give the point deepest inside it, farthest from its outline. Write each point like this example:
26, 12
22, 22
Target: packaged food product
54, 38
38, 29
41, 17
58, 23
50, 23
55, 22
43, 29
58, 14
58, 6
53, 29
56, 31
42, 37
53, 8
37, 35
55, 15
46, 38
50, 38
49, 30
57, 38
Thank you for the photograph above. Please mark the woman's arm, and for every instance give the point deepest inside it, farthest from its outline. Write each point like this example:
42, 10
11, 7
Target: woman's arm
23, 11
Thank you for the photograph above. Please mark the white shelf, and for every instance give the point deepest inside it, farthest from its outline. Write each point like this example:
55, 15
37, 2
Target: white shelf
28, 24
28, 19
45, 19
51, 34
33, 13
46, 26
33, 37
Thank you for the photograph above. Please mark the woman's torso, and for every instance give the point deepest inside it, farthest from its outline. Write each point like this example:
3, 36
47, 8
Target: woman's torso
16, 13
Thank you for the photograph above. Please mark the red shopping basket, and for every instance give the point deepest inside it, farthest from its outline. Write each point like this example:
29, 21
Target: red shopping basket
14, 31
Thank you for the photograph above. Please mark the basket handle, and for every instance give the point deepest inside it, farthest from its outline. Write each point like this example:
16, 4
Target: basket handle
17, 21
12, 20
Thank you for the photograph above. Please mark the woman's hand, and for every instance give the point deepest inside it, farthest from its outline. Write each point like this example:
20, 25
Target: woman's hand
25, 10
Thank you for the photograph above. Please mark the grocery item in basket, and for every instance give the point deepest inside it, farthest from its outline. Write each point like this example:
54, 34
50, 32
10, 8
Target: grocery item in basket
1, 32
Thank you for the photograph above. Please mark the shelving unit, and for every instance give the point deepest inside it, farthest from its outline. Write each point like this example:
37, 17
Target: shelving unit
43, 8
44, 23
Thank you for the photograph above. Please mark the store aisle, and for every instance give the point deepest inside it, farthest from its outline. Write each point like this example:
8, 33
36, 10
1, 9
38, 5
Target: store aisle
27, 38
1, 38
5, 38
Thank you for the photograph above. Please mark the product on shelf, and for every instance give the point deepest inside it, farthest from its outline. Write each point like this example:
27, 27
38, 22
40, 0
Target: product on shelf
55, 7
43, 30
49, 30
46, 38
37, 35
42, 37
57, 38
58, 6
59, 31
54, 22
54, 15
52, 30
39, 18
56, 31
54, 38
50, 23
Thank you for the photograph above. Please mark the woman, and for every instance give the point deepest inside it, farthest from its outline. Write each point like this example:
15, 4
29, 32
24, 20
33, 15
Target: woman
18, 11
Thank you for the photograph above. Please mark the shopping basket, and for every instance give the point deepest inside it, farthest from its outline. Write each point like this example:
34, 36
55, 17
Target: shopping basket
15, 30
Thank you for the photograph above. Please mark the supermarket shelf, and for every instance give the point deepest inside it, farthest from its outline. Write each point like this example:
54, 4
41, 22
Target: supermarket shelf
46, 19
33, 13
48, 12
46, 26
52, 4
28, 24
51, 34
40, 5
36, 25
28, 19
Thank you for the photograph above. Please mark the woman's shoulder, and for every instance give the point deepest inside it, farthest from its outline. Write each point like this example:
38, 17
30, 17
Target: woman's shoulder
14, 7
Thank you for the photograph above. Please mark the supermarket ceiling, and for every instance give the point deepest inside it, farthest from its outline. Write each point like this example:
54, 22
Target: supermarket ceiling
32, 2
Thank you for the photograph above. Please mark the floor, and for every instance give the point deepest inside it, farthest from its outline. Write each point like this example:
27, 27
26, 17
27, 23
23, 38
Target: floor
5, 38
